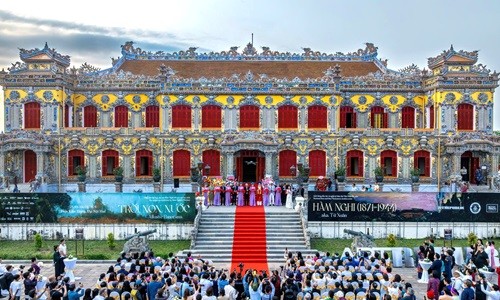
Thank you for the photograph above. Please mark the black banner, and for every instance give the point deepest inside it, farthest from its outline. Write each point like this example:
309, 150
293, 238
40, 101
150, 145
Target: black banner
403, 207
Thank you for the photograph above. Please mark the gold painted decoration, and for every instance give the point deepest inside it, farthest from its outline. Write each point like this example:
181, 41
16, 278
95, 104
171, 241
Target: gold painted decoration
447, 97
333, 100
372, 149
105, 101
420, 100
49, 95
92, 148
362, 102
136, 101
482, 98
393, 102
15, 96
302, 99
127, 149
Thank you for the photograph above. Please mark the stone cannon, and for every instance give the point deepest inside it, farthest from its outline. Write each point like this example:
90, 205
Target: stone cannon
360, 239
137, 243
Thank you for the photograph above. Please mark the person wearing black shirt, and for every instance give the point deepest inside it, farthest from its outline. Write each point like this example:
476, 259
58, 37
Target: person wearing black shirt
481, 258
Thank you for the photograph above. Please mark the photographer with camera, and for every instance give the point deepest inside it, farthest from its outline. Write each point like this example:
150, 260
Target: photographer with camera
58, 290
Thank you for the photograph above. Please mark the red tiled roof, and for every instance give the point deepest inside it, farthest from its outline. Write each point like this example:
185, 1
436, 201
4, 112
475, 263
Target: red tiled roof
279, 69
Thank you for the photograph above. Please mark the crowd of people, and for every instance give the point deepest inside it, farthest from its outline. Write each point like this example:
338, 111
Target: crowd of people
347, 276
233, 193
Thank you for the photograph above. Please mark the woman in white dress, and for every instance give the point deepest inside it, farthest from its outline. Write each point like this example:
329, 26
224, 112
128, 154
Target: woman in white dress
289, 194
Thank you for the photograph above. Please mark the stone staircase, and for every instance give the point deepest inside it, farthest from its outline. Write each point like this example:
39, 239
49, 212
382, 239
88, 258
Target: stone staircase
214, 239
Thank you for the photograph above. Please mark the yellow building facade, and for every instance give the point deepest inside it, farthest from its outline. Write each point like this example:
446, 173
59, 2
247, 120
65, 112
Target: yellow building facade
247, 114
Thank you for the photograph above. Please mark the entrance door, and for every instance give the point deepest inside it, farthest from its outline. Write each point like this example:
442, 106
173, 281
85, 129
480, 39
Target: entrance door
250, 165
249, 169
29, 165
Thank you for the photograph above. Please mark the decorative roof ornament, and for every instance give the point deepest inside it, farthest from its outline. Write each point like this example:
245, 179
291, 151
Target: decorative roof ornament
129, 52
471, 56
33, 54
249, 50
87, 68
412, 69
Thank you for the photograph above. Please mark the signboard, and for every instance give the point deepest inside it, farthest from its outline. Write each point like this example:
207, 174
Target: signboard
448, 236
403, 207
97, 207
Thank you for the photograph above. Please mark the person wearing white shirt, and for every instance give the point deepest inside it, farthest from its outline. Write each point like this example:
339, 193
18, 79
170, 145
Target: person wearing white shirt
205, 283
230, 291
63, 249
492, 293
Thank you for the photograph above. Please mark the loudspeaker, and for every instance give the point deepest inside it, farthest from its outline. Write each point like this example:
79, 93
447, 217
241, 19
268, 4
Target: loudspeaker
176, 183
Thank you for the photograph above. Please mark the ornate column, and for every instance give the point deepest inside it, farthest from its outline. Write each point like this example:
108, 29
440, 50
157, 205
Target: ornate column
269, 163
494, 163
2, 164
456, 163
39, 164
196, 118
229, 163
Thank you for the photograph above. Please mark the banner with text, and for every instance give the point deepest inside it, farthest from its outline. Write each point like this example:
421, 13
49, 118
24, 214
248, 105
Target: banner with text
403, 207
97, 207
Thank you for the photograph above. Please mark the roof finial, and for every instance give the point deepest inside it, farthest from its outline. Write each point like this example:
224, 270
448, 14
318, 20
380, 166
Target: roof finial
252, 39
451, 48
46, 46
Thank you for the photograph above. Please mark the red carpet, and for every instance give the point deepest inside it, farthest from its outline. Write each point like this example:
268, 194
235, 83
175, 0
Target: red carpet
249, 243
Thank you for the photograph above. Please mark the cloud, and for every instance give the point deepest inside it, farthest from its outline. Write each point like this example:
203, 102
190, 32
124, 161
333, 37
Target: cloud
83, 43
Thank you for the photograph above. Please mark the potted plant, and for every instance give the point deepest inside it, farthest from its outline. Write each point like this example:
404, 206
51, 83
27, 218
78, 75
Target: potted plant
156, 174
118, 171
81, 173
379, 174
415, 175
340, 173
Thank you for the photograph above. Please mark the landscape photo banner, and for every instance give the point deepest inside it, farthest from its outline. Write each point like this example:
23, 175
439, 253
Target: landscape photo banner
403, 207
97, 207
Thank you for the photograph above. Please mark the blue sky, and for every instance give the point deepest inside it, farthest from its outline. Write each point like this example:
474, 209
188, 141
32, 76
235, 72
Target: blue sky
405, 32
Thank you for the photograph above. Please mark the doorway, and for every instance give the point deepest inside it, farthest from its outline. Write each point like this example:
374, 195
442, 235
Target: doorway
29, 165
250, 165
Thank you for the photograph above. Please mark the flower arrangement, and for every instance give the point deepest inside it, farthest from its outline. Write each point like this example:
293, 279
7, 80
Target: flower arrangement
70, 256
426, 260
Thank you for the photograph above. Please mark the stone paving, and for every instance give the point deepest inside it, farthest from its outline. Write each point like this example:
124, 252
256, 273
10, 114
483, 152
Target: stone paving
89, 272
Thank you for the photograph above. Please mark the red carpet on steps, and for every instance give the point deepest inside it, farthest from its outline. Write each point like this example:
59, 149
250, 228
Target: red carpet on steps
249, 241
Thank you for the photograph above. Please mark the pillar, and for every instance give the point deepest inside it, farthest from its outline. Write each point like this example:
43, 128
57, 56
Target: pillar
197, 118
229, 163
456, 163
2, 164
156, 187
341, 186
39, 165
82, 187
269, 163
415, 187
119, 187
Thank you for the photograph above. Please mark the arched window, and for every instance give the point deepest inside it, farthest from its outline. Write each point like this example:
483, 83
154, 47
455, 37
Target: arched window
408, 117
181, 163
347, 117
89, 116
143, 163
121, 116
212, 158
75, 158
249, 117
465, 117
32, 115
389, 163
422, 161
181, 116
317, 163
152, 116
317, 117
378, 117
211, 117
287, 158
110, 161
287, 117
355, 163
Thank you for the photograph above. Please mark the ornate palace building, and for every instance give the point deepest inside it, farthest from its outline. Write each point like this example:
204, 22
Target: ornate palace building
246, 113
